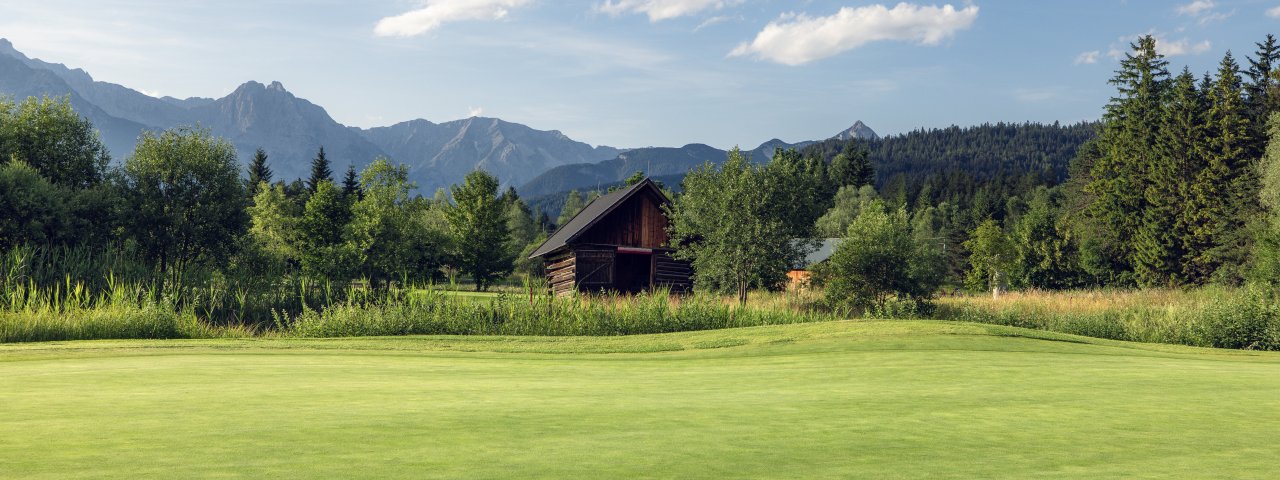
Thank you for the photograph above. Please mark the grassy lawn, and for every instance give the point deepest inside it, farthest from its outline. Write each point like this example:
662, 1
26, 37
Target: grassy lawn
832, 400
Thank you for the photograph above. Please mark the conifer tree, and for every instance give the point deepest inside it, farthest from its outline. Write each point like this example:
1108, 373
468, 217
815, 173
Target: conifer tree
1223, 195
351, 184
259, 172
1261, 87
320, 171
1159, 244
1127, 145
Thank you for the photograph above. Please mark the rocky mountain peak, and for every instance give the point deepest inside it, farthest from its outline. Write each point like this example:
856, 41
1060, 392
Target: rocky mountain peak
858, 130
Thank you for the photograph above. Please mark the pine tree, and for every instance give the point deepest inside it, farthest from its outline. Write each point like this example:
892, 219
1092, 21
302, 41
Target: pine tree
259, 172
1127, 145
351, 184
320, 172
1159, 244
1223, 196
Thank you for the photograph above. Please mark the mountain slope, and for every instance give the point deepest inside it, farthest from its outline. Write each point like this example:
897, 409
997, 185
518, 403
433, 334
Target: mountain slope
670, 163
292, 129
289, 128
20, 81
444, 153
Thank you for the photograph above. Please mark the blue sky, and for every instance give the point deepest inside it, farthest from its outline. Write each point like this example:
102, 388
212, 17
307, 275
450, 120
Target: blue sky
635, 73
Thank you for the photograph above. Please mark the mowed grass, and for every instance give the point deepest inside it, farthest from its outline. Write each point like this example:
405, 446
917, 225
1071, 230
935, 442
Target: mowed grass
851, 399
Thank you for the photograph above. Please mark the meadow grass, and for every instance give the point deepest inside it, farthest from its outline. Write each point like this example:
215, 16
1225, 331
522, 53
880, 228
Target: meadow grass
1245, 318
851, 399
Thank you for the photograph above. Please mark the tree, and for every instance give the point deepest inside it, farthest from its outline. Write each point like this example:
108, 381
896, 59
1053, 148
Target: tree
1045, 255
849, 202
991, 257
1265, 268
478, 220
49, 136
383, 236
797, 187
321, 234
185, 200
723, 223
259, 172
1160, 244
273, 230
351, 184
320, 171
879, 259
1127, 146
572, 205
1222, 196
33, 206
852, 167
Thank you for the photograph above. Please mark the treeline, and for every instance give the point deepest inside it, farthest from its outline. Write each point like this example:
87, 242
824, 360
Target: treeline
179, 215
1171, 189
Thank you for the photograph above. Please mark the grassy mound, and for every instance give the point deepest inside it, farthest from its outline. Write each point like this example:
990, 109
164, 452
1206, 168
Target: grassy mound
824, 400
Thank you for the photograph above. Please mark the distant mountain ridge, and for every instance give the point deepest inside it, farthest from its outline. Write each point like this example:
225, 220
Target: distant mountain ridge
671, 163
292, 129
514, 153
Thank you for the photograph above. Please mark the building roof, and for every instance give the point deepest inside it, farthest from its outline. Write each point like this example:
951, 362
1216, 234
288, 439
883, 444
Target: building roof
591, 214
826, 246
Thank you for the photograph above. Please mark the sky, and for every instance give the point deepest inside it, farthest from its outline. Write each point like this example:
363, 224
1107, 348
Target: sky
634, 73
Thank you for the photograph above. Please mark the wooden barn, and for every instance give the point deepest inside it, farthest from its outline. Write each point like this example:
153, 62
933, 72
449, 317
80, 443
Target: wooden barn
616, 243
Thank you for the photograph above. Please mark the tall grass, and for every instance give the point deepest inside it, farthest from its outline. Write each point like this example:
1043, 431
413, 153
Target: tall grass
1247, 318
437, 312
38, 305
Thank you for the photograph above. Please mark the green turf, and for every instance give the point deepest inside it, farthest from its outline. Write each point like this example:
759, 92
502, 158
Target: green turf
834, 400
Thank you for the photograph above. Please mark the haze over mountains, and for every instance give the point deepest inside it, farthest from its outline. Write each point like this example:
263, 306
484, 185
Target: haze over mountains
291, 129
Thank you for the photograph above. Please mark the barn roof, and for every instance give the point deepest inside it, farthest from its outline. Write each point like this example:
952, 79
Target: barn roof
591, 214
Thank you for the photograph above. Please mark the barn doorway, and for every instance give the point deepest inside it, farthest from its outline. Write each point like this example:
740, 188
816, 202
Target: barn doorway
633, 270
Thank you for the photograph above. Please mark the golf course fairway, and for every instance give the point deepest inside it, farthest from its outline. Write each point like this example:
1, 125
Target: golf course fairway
857, 399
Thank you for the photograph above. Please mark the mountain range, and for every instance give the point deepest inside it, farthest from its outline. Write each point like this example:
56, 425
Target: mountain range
292, 129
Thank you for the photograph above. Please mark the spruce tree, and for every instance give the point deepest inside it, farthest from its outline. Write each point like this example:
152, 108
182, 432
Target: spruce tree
259, 172
1159, 244
1261, 86
1127, 145
320, 171
1223, 196
351, 184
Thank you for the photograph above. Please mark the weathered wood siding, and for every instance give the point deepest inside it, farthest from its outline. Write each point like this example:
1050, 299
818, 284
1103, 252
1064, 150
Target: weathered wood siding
638, 222
561, 272
671, 273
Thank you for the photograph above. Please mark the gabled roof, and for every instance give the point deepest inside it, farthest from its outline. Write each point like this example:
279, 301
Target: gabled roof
591, 214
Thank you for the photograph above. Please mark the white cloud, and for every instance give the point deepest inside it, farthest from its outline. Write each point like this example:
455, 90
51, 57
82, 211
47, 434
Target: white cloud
712, 21
1273, 12
1203, 10
475, 111
1087, 58
1164, 46
1182, 46
662, 9
1194, 9
439, 12
796, 39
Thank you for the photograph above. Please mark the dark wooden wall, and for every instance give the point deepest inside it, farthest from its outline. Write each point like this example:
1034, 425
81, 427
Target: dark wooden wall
638, 222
